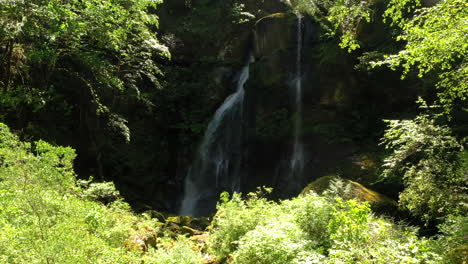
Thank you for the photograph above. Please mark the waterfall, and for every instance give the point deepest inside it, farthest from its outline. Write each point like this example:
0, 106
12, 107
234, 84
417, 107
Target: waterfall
217, 165
297, 158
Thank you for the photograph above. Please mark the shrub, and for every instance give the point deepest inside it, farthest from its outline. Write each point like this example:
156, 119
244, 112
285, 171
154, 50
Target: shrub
426, 158
452, 242
177, 252
313, 214
234, 218
104, 192
313, 229
43, 219
276, 242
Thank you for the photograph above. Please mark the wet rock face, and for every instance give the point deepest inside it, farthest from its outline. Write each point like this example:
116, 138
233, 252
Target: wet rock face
274, 49
341, 105
264, 8
272, 98
274, 33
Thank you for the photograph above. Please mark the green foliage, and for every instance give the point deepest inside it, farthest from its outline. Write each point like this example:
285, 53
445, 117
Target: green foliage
314, 229
399, 12
43, 218
435, 43
434, 38
425, 156
69, 56
103, 192
350, 222
277, 241
205, 12
85, 74
178, 252
340, 17
313, 219
454, 231
92, 32
346, 17
234, 218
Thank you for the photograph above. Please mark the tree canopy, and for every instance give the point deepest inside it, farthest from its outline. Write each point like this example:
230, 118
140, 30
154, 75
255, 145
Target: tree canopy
103, 46
97, 75
434, 38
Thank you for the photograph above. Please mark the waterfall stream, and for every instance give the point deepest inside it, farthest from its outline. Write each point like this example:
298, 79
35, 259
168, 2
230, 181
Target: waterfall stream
217, 165
297, 158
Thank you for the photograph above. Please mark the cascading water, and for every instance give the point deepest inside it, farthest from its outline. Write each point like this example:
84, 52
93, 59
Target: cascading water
297, 158
217, 165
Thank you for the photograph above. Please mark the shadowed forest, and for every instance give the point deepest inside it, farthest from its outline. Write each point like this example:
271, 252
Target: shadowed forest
234, 131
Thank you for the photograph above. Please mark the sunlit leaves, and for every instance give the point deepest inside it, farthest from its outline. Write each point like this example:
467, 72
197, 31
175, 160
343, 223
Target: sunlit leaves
346, 16
340, 17
398, 12
435, 38
46, 218
425, 157
312, 229
112, 42
436, 43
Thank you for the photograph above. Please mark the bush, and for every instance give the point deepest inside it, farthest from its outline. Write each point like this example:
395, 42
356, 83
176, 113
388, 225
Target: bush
234, 218
178, 252
313, 229
277, 242
313, 214
46, 218
104, 192
43, 219
425, 157
452, 242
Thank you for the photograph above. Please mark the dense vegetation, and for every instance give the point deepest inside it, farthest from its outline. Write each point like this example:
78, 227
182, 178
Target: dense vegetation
95, 75
49, 217
434, 39
425, 155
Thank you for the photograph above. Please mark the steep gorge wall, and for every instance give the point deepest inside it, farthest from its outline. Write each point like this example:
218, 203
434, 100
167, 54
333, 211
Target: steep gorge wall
147, 143
343, 107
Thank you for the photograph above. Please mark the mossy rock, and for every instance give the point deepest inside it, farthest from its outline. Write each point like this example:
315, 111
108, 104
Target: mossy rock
191, 231
363, 166
458, 255
188, 223
274, 33
379, 202
161, 216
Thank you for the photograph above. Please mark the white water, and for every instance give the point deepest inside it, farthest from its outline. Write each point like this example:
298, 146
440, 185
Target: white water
297, 158
217, 165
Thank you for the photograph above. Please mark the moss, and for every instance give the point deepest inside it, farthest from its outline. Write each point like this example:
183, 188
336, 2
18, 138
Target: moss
318, 186
458, 254
187, 224
379, 202
368, 195
274, 16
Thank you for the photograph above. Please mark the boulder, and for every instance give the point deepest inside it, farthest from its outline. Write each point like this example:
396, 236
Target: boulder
348, 189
